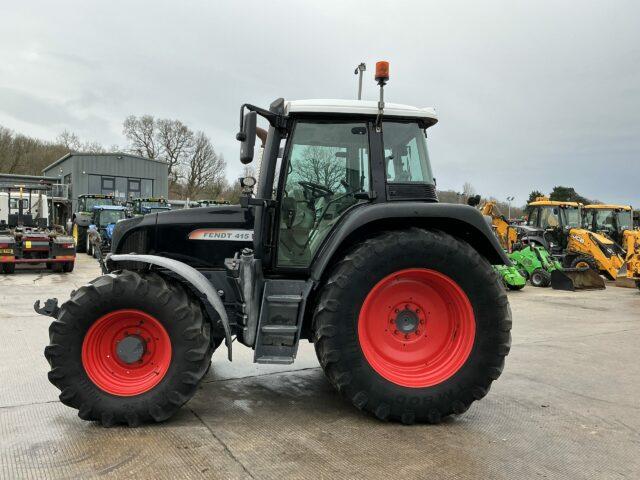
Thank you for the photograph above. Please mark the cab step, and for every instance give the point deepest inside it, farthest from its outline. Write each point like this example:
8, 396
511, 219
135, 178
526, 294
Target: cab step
280, 322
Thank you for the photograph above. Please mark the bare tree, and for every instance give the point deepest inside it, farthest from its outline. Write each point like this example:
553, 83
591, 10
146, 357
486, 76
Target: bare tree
319, 165
175, 140
205, 168
141, 133
70, 140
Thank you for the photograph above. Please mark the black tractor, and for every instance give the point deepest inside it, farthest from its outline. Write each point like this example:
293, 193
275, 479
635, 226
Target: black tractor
341, 242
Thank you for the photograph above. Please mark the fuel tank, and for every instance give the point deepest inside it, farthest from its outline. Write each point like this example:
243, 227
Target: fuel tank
201, 237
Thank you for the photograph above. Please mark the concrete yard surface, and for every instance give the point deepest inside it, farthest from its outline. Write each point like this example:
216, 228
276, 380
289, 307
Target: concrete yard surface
567, 406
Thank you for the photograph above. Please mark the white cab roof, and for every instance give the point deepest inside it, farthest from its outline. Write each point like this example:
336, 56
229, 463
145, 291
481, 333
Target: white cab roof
360, 107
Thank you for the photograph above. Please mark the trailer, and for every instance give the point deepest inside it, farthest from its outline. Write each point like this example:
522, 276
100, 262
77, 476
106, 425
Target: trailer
26, 235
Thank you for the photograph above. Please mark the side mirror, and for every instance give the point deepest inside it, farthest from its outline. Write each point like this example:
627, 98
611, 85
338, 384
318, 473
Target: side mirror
248, 138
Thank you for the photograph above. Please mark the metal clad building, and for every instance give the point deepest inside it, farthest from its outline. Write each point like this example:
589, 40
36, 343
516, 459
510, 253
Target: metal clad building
120, 174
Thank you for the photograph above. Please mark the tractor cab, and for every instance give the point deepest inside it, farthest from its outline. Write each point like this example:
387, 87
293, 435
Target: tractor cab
103, 221
611, 220
553, 220
87, 202
144, 206
105, 215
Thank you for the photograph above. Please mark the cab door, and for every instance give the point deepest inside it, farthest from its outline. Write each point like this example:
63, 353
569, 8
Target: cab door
325, 173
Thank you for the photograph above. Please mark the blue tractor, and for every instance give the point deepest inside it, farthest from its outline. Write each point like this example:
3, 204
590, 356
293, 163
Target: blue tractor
100, 232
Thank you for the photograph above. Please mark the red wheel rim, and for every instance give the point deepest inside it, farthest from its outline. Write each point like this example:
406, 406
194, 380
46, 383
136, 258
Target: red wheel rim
416, 327
119, 371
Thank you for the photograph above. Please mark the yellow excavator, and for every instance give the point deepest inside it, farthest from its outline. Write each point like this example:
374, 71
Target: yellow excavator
616, 222
507, 235
558, 226
631, 243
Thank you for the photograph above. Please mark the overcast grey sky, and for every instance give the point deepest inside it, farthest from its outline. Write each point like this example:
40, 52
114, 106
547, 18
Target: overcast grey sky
529, 94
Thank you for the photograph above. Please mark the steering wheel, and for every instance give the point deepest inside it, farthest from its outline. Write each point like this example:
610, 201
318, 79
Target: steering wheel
316, 187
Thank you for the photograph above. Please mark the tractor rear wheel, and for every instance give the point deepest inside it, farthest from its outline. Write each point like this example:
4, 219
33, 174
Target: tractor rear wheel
412, 325
540, 278
129, 348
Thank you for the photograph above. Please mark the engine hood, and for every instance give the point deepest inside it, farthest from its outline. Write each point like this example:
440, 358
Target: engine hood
201, 237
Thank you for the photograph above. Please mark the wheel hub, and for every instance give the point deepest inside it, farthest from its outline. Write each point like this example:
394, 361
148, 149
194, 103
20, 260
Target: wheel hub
407, 319
130, 349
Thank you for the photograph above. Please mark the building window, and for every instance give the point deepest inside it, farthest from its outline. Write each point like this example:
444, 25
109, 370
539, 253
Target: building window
121, 188
147, 188
108, 185
134, 187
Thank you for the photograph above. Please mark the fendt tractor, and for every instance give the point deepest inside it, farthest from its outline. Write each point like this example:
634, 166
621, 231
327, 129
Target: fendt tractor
396, 291
81, 218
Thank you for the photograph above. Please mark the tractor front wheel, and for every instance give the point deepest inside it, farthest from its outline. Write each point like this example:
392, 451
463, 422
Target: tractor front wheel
129, 348
584, 261
412, 325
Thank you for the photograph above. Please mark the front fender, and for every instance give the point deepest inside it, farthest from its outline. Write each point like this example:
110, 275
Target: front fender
462, 221
190, 275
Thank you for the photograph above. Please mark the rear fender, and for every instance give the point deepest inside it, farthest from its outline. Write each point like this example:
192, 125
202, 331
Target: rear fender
190, 275
461, 221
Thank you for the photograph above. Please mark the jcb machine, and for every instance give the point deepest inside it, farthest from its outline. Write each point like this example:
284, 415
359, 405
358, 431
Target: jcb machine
610, 220
631, 270
81, 219
507, 234
616, 222
513, 278
557, 226
343, 244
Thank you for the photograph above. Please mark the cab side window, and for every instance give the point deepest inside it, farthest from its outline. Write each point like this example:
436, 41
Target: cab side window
327, 165
549, 218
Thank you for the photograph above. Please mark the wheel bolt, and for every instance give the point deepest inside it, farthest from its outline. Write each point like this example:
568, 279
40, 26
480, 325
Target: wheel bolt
406, 337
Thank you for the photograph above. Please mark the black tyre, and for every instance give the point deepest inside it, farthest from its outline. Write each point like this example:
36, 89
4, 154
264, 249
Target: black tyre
515, 287
638, 284
8, 268
540, 278
67, 267
584, 261
162, 355
80, 236
524, 273
411, 292
57, 267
